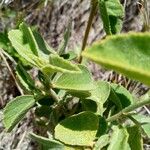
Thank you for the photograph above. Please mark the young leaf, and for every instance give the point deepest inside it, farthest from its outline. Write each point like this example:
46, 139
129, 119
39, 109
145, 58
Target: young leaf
119, 140
49, 144
128, 54
16, 109
135, 138
78, 130
77, 81
58, 64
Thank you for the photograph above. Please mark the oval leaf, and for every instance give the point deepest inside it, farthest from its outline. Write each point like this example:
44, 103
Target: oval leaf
78, 130
128, 54
16, 110
78, 81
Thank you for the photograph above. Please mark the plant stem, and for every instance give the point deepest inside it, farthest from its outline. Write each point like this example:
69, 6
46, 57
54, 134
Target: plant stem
92, 14
128, 109
54, 95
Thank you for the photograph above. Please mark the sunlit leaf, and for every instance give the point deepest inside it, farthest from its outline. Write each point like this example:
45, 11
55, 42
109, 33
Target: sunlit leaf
78, 81
128, 54
16, 109
78, 130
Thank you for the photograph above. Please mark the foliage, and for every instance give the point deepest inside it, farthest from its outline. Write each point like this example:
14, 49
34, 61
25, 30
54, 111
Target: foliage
76, 111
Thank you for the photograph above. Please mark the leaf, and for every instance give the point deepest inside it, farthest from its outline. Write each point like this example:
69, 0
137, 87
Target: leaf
58, 64
102, 142
102, 128
22, 47
111, 12
114, 8
104, 16
37, 44
25, 78
78, 130
89, 105
135, 138
141, 118
146, 128
119, 139
29, 38
49, 144
16, 109
128, 54
101, 93
123, 95
44, 48
77, 81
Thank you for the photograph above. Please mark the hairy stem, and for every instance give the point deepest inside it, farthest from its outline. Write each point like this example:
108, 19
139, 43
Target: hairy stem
128, 109
92, 14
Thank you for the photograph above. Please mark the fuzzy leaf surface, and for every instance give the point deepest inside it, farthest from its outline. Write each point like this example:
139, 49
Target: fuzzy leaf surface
16, 109
78, 81
78, 130
128, 54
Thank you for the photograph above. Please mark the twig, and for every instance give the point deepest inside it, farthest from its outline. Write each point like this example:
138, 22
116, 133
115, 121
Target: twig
128, 109
11, 72
92, 14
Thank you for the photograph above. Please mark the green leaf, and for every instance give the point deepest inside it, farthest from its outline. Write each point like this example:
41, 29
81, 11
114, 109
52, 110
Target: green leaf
119, 139
25, 78
135, 138
4, 41
102, 128
78, 81
114, 8
104, 16
128, 54
29, 37
78, 130
16, 109
22, 47
111, 12
102, 142
146, 128
89, 105
101, 93
141, 118
43, 47
49, 144
36, 42
58, 64
124, 96
116, 24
